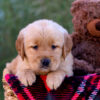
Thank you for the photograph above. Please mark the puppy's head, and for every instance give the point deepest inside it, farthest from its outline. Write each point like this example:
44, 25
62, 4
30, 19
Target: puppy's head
43, 44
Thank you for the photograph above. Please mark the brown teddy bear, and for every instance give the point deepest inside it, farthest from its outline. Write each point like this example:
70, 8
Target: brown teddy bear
86, 38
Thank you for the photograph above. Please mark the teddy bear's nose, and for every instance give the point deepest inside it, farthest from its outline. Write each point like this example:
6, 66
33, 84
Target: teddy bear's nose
97, 26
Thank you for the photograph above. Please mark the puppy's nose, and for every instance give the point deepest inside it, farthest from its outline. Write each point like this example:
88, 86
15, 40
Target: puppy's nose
45, 62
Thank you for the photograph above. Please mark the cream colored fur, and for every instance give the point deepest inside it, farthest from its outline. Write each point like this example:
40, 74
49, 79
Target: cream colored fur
44, 34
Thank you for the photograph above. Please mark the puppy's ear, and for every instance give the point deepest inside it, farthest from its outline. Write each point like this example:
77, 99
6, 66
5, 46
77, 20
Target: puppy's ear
20, 45
67, 45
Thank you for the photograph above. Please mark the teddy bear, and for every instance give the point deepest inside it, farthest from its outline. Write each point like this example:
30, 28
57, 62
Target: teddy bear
86, 36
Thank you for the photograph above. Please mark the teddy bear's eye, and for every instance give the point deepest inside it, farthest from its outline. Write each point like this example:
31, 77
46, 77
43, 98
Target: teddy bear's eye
53, 47
35, 47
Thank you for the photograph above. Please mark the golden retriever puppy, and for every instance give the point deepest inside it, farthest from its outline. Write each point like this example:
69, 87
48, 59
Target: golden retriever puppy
44, 47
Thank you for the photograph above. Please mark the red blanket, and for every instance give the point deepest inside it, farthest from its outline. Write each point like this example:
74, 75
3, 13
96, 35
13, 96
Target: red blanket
73, 88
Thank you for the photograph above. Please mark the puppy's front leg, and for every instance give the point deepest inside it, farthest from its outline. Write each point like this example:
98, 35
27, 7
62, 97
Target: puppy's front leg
54, 79
26, 76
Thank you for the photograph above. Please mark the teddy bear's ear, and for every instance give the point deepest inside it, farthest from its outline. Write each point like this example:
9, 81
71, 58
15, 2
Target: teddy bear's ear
94, 27
67, 45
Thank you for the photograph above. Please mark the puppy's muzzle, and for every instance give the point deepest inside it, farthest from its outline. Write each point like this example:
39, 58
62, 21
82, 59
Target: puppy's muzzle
45, 62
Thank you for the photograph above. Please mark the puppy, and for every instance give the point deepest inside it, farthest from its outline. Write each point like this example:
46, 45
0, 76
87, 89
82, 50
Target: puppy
44, 48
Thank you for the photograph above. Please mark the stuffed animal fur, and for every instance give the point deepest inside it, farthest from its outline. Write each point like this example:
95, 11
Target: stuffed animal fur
86, 35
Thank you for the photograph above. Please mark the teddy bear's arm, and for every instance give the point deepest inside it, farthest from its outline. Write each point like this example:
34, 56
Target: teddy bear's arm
83, 66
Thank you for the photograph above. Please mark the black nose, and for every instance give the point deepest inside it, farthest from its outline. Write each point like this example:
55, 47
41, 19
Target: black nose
45, 62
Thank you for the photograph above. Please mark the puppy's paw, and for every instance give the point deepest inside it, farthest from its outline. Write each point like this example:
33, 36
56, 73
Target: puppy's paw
27, 77
54, 80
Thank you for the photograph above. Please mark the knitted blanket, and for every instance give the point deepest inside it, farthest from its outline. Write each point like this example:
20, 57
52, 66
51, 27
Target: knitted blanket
73, 88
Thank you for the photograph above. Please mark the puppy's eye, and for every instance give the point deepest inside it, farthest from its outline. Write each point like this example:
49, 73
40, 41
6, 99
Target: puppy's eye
53, 47
35, 47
